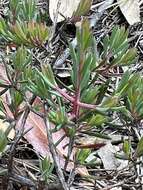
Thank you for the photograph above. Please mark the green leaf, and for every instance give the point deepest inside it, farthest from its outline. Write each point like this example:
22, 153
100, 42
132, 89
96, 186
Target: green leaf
118, 38
75, 64
16, 99
126, 83
29, 11
83, 8
21, 59
89, 95
39, 87
115, 48
110, 102
46, 168
127, 148
15, 6
3, 140
20, 34
81, 155
139, 150
84, 36
97, 120
48, 73
58, 117
106, 45
46, 78
123, 83
129, 57
30, 33
85, 74
102, 91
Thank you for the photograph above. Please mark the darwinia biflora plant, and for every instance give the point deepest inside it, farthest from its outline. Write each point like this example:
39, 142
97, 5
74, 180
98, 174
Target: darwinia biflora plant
84, 102
89, 99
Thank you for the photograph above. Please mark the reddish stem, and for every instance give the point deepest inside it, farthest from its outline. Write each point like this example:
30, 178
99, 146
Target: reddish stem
76, 106
87, 106
76, 103
64, 94
75, 100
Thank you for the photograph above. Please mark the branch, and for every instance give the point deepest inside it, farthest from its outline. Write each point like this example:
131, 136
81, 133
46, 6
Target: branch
54, 153
72, 100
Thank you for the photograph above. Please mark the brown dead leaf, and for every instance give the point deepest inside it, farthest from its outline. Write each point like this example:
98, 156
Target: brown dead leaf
82, 171
131, 10
90, 142
37, 136
65, 7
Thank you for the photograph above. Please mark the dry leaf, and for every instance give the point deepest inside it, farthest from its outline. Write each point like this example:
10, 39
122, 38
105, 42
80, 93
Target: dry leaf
90, 142
65, 7
37, 137
3, 75
131, 10
107, 155
82, 171
4, 126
